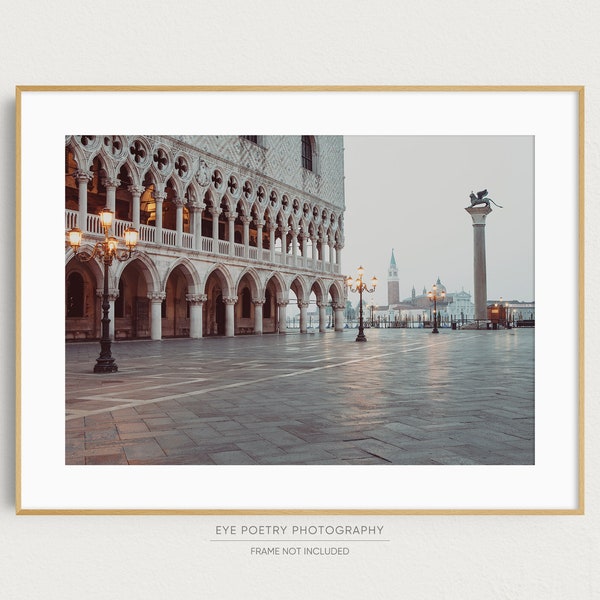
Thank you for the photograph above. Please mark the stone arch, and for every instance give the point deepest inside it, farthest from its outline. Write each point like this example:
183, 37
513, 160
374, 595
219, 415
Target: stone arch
83, 323
248, 291
136, 280
218, 289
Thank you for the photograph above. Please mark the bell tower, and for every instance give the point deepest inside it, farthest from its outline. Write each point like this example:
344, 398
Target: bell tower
393, 282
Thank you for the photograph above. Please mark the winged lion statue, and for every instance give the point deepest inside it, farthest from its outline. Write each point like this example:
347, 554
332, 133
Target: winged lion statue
482, 198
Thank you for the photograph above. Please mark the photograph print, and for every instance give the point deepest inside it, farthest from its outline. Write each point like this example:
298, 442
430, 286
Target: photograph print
313, 300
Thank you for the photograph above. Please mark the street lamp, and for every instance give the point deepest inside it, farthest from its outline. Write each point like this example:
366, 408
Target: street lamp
107, 250
360, 287
433, 296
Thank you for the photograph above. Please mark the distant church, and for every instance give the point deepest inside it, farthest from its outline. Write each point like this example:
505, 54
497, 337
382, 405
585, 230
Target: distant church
456, 306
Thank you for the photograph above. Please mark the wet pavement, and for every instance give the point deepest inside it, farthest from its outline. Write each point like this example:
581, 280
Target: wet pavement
405, 397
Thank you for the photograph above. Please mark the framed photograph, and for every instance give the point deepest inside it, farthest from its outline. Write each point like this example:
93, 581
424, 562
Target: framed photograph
293, 300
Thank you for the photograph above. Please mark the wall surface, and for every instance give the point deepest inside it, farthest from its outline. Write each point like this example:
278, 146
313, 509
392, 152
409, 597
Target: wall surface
310, 43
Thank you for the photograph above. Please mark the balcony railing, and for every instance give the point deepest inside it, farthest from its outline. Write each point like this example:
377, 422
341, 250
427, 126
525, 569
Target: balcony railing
147, 235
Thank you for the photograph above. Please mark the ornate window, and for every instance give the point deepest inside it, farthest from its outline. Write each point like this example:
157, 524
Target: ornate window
307, 152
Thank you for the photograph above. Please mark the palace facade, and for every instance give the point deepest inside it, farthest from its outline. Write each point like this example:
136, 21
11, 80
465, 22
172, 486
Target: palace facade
231, 230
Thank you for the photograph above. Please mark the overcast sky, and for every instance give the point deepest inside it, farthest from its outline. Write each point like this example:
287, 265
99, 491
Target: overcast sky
410, 192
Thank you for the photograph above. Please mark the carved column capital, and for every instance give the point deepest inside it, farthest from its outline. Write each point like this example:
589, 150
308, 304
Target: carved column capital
258, 301
159, 196
178, 202
112, 294
111, 182
83, 176
230, 300
136, 189
196, 298
157, 296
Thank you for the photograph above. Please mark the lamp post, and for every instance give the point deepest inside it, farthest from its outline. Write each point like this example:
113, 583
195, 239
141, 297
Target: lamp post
106, 250
360, 287
433, 296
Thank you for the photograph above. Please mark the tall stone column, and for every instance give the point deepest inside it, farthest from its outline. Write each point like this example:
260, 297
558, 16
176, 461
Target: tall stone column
111, 186
156, 300
196, 212
322, 316
271, 228
159, 198
83, 178
282, 317
260, 223
246, 238
258, 316
215, 212
478, 214
178, 202
339, 317
136, 192
196, 301
303, 306
231, 217
229, 316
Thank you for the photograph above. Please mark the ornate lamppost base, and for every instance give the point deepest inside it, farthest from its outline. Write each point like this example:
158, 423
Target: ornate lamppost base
361, 337
105, 365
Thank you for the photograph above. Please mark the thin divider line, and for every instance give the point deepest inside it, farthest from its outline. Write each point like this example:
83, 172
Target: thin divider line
336, 541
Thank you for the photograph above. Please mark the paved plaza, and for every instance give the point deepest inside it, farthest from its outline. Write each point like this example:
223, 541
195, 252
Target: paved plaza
404, 397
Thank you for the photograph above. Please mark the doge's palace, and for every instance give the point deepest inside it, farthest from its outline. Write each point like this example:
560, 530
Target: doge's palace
231, 230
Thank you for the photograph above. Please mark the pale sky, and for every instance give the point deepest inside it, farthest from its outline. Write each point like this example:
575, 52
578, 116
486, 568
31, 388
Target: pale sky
410, 192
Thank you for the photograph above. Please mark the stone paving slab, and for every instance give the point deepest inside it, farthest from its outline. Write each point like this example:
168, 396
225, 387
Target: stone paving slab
404, 397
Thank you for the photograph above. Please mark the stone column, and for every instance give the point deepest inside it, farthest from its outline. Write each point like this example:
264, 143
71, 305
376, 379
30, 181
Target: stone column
304, 248
231, 217
156, 300
260, 223
215, 212
272, 227
339, 317
196, 211
322, 316
338, 255
258, 316
295, 232
111, 186
246, 235
159, 198
229, 315
282, 323
303, 306
83, 178
196, 301
178, 202
136, 192
330, 243
478, 214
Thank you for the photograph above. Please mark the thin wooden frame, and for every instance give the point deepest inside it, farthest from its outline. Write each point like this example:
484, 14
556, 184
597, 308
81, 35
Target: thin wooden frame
21, 123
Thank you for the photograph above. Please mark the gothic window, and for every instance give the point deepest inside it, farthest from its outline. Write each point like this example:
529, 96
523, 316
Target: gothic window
75, 295
307, 153
251, 138
246, 302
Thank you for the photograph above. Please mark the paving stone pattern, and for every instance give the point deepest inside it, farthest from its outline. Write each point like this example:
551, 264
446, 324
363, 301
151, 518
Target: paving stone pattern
404, 397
